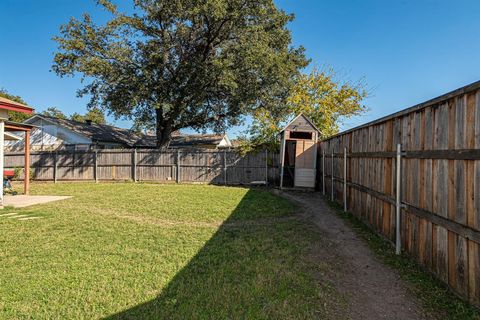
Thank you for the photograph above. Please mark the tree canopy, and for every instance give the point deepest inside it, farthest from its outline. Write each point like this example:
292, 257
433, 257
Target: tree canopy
94, 114
54, 112
177, 64
321, 96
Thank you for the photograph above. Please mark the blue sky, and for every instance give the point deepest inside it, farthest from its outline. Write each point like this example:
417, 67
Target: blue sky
408, 51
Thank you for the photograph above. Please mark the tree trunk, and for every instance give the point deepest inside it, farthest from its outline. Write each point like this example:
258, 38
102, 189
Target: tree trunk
163, 129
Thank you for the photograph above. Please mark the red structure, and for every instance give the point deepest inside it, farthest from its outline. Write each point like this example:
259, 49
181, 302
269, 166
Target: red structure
7, 105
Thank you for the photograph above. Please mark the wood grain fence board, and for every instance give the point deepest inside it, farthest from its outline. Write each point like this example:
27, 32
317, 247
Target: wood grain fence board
152, 165
477, 120
428, 244
414, 241
476, 192
441, 261
422, 230
461, 265
474, 271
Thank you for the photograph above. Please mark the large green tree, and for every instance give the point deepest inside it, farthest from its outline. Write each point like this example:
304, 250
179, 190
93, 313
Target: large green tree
183, 63
322, 95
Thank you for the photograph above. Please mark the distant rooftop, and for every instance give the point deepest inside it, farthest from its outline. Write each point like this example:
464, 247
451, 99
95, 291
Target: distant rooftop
106, 133
180, 140
94, 131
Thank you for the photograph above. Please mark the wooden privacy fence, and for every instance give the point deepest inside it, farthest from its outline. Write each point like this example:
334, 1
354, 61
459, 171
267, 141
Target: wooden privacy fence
439, 194
217, 167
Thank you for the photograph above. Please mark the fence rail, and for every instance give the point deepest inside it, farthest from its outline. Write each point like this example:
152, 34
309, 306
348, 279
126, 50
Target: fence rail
438, 200
216, 167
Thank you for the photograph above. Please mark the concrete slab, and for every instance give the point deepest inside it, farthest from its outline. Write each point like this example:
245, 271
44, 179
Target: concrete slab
21, 201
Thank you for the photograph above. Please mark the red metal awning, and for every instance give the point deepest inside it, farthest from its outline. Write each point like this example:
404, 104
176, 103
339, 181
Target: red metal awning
11, 105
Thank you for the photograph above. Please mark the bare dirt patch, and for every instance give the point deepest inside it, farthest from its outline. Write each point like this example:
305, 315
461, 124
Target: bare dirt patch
372, 289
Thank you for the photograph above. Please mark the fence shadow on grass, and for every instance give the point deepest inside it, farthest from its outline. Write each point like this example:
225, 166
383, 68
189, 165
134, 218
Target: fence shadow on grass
236, 273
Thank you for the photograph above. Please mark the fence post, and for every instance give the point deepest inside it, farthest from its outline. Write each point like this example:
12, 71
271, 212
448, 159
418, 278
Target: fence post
55, 167
26, 178
95, 164
323, 170
282, 160
333, 180
266, 167
345, 179
398, 165
178, 166
225, 167
134, 165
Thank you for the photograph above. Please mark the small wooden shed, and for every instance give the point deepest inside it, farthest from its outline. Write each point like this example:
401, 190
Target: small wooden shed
298, 153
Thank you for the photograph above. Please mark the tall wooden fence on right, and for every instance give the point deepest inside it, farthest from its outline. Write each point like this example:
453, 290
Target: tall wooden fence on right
440, 183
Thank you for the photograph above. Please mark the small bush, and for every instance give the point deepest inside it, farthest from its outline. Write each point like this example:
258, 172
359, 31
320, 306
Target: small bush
18, 172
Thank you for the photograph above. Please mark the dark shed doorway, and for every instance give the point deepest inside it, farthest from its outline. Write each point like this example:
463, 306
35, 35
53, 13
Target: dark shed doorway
289, 164
298, 153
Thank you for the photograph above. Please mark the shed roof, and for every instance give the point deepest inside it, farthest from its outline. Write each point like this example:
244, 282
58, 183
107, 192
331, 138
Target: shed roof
292, 123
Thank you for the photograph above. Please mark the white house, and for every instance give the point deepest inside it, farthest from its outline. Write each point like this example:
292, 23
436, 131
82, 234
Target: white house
51, 133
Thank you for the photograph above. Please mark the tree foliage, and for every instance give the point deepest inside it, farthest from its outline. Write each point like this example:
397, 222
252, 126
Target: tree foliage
183, 63
13, 115
93, 114
54, 112
321, 96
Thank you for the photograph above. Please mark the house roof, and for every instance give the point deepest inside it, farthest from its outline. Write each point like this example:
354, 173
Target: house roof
96, 132
14, 106
105, 133
186, 140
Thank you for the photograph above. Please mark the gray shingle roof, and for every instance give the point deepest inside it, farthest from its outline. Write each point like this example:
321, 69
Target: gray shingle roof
184, 140
97, 132
129, 138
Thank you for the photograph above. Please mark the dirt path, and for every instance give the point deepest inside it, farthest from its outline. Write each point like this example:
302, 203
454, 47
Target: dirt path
373, 290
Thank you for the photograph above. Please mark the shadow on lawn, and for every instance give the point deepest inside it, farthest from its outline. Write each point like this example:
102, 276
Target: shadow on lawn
238, 272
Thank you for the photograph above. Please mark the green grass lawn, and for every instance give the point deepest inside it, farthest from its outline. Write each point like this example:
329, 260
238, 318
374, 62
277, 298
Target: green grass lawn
146, 251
